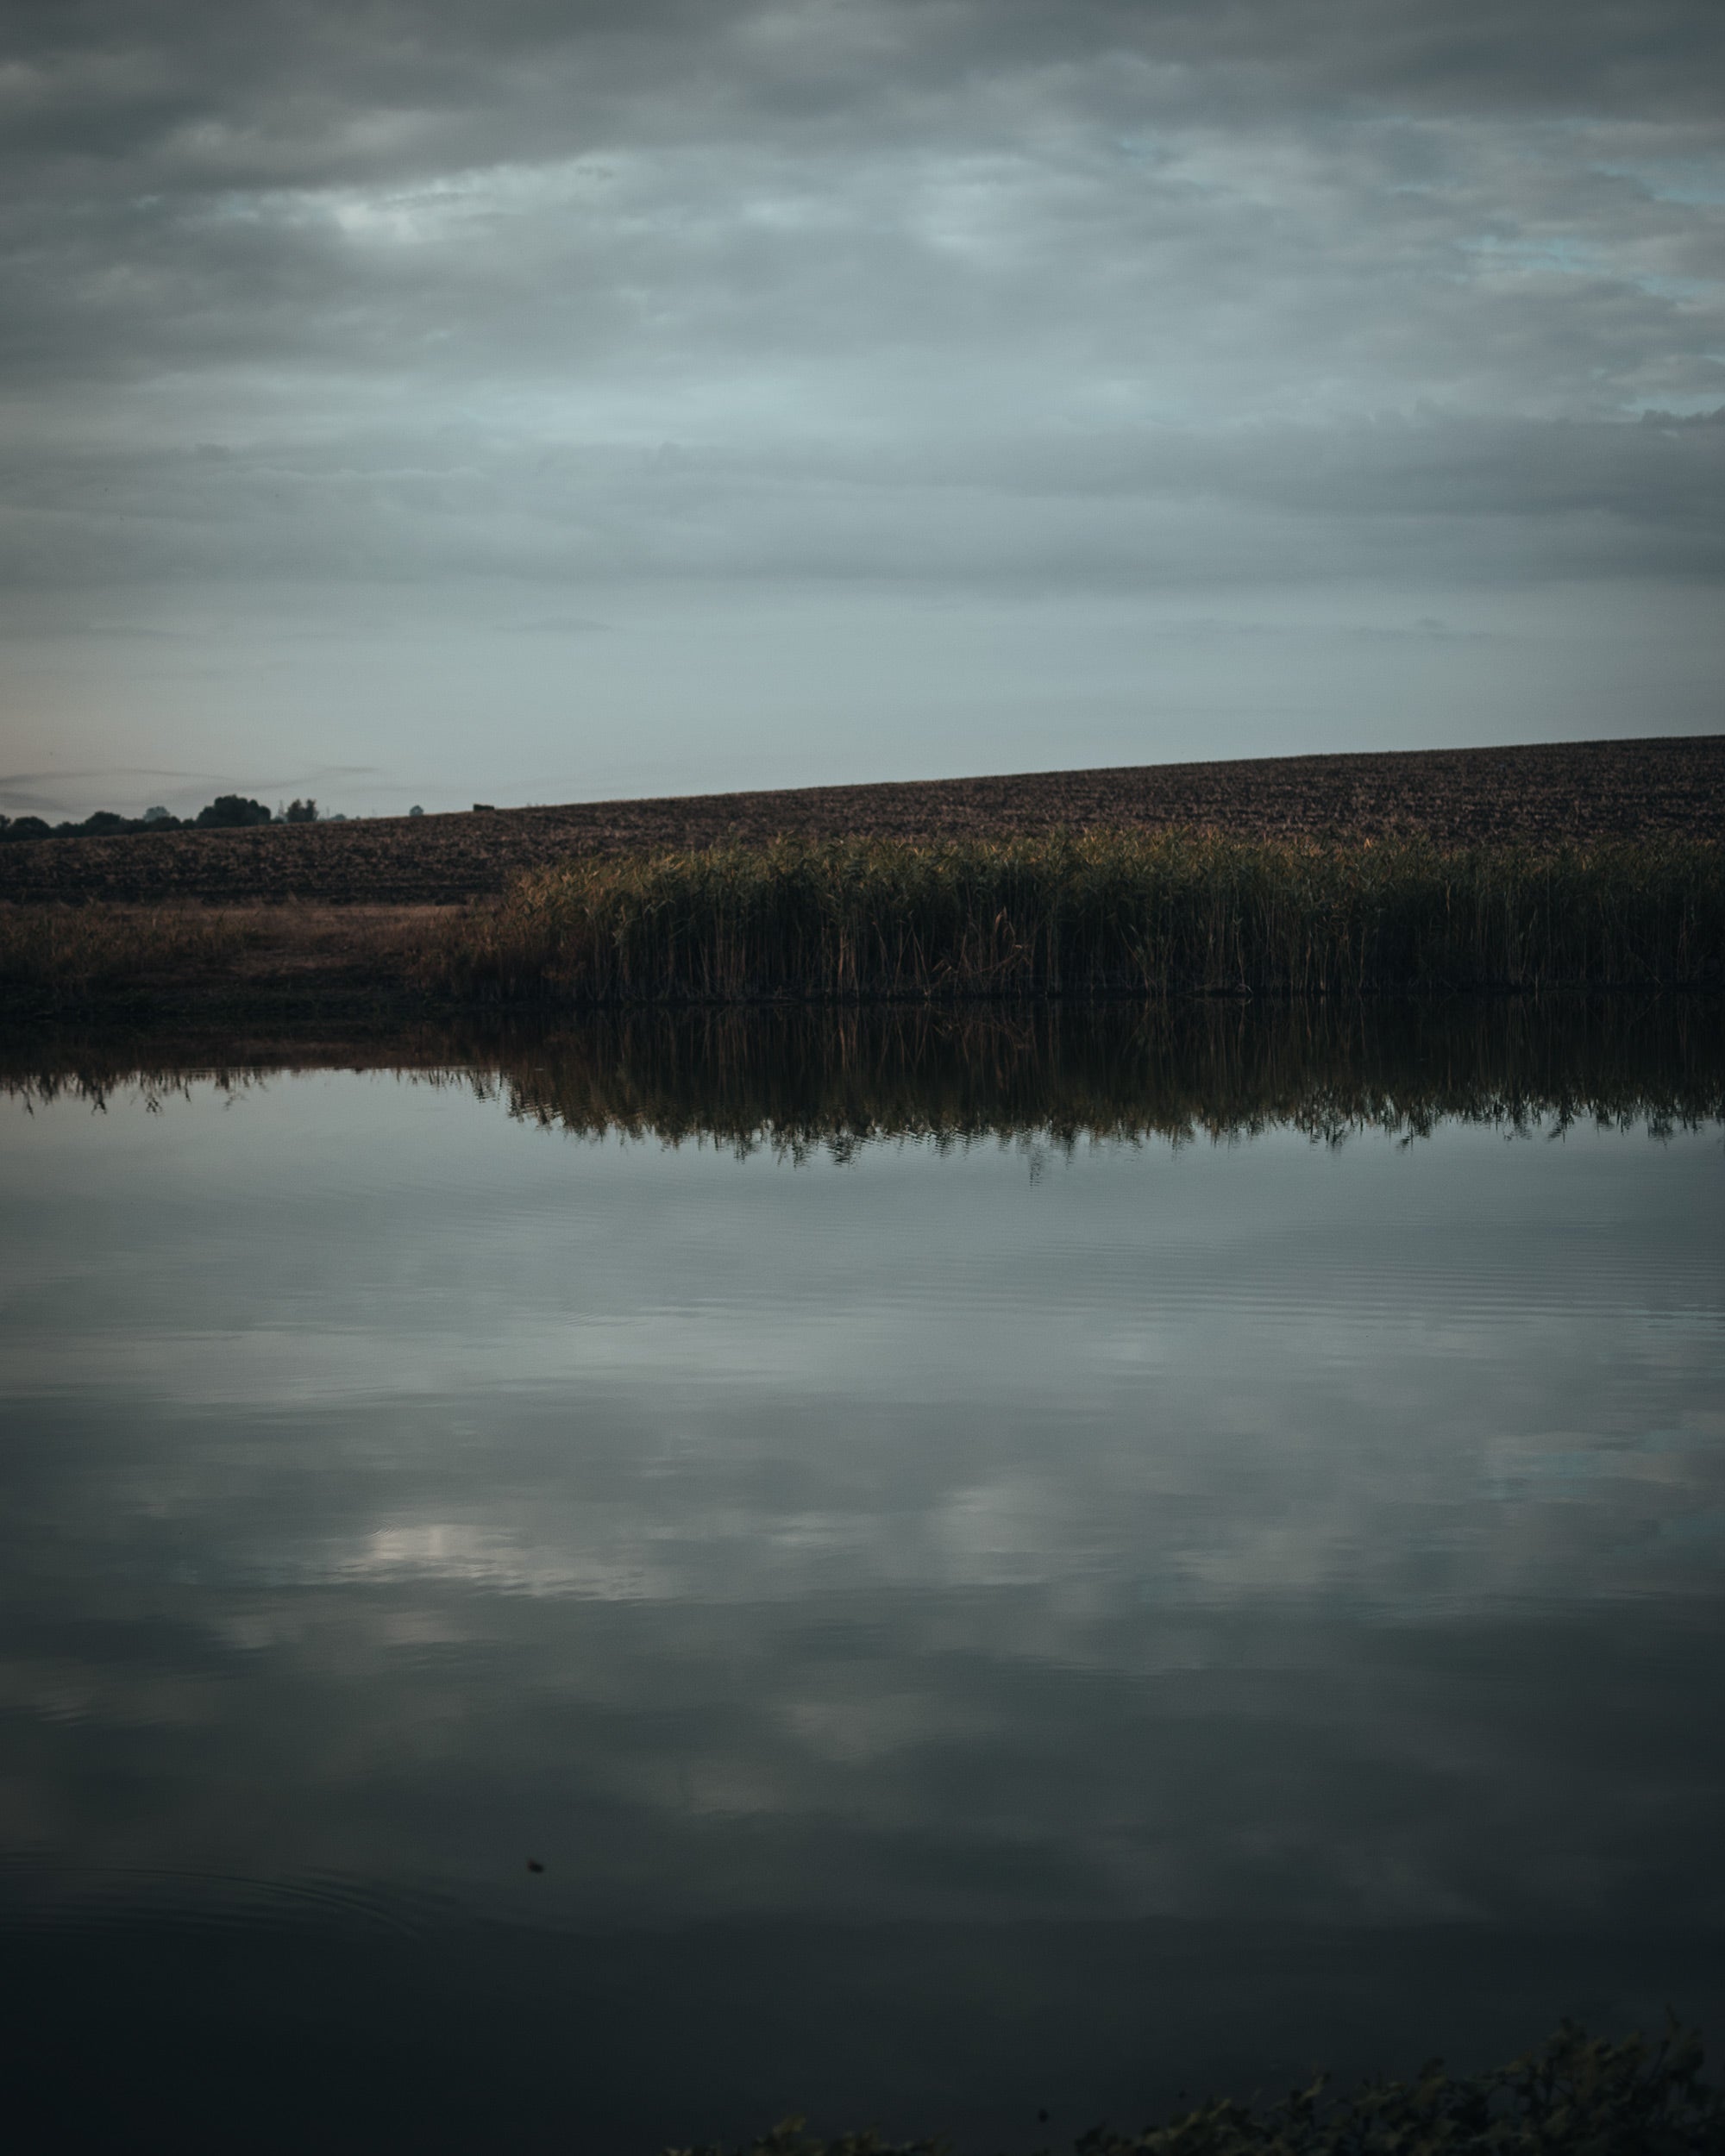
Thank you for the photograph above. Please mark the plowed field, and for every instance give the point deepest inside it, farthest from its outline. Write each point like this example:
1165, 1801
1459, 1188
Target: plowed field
1583, 790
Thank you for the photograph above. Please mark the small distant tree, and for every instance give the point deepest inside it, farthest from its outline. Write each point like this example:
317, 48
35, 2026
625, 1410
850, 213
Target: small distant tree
416, 809
157, 816
232, 811
300, 813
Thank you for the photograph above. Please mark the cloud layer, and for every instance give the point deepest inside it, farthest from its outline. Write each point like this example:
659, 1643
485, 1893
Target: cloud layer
1381, 310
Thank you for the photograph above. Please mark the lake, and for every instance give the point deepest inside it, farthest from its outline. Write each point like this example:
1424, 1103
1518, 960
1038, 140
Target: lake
591, 1591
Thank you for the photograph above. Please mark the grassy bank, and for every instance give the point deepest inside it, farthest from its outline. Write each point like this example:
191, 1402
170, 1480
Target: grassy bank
120, 962
76, 948
1124, 913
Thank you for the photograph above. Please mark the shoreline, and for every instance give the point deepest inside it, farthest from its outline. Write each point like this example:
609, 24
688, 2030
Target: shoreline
122, 965
1105, 917
1591, 866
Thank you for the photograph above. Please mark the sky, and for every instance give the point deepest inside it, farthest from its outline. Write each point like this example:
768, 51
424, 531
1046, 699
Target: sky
414, 401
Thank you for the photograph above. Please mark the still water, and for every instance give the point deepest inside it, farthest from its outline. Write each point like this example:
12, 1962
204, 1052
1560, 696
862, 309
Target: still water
532, 1636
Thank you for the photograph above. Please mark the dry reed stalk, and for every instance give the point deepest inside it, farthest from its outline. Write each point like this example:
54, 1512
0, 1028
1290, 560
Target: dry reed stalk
1126, 913
68, 947
68, 956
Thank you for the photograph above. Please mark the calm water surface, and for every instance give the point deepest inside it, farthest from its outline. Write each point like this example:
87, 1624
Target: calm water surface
965, 1630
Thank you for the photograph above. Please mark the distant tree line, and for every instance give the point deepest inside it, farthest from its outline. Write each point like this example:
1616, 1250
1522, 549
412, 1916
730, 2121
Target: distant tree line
227, 813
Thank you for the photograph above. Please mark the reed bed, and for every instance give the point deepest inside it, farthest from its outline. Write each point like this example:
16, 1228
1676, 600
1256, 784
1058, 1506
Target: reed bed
1099, 914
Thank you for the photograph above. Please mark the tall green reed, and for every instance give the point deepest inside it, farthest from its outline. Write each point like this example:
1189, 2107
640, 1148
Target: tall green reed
1122, 913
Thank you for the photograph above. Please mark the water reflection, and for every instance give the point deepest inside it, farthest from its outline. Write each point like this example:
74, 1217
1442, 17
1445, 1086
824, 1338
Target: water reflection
965, 1627
795, 1077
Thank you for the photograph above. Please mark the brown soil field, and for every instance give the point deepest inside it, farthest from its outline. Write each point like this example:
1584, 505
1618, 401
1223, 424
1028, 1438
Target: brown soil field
1671, 785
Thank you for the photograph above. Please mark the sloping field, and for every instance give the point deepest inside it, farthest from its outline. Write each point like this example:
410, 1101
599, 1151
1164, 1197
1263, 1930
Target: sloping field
1583, 790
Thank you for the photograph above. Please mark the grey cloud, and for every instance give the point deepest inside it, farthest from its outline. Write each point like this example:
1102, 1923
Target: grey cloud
981, 293
1479, 499
296, 94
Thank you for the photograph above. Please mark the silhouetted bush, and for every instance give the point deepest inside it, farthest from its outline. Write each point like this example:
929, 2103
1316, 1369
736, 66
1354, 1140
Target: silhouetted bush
232, 811
101, 824
229, 812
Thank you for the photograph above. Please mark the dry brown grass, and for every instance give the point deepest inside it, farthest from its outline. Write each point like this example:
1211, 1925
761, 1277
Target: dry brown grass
75, 947
56, 954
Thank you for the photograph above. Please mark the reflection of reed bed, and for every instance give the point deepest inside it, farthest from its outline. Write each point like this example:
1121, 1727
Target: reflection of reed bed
795, 1077
798, 1078
1122, 913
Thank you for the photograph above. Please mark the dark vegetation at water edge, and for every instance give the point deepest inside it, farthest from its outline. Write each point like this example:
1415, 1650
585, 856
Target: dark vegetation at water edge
797, 1080
62, 952
1112, 913
1575, 2096
119, 962
1116, 915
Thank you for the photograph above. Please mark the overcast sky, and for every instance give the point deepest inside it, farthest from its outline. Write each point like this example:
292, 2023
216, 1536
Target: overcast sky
540, 399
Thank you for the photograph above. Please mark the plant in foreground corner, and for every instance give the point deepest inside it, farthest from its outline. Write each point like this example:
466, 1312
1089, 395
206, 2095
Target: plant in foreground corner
1574, 2095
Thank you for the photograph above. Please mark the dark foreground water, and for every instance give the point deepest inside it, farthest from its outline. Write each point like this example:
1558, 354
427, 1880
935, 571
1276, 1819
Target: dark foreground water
972, 1618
